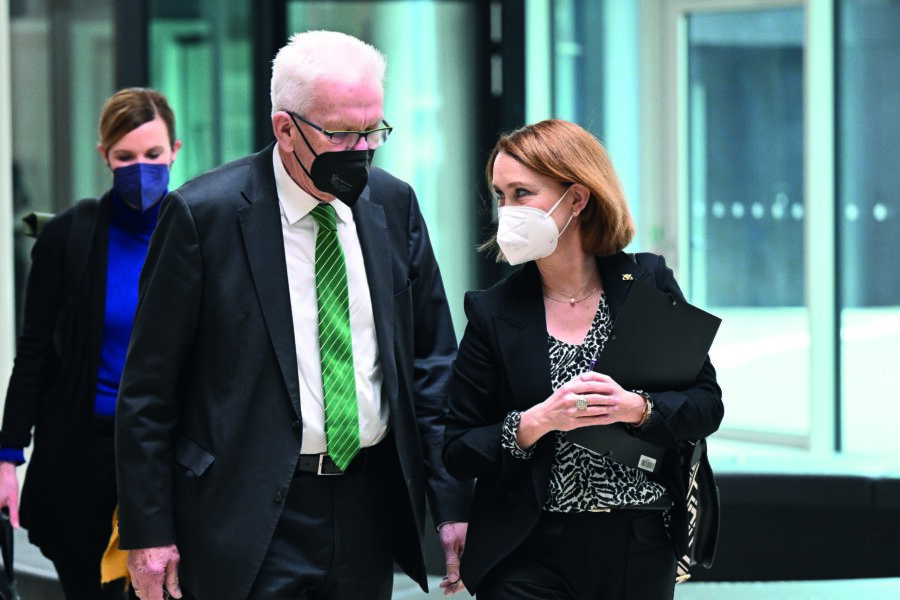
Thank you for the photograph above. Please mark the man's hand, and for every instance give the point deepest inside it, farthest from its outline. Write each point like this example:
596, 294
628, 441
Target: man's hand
9, 491
453, 539
154, 572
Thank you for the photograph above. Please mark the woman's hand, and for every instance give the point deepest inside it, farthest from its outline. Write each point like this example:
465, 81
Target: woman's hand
588, 399
9, 491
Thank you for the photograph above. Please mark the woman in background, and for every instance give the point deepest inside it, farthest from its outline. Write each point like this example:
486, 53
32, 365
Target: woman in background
552, 519
70, 354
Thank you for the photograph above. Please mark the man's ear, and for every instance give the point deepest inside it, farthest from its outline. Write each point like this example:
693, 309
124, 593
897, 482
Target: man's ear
283, 127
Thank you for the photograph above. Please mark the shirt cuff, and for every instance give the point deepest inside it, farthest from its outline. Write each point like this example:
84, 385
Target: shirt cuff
508, 437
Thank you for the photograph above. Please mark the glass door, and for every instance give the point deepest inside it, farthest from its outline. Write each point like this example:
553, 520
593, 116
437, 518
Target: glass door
200, 56
745, 212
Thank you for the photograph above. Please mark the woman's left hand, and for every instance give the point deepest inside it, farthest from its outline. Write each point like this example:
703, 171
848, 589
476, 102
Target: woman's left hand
608, 402
587, 399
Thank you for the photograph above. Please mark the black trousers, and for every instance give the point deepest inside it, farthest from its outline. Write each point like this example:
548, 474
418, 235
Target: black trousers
619, 555
334, 540
77, 550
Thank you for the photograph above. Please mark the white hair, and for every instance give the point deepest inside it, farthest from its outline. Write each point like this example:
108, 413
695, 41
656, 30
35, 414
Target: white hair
312, 56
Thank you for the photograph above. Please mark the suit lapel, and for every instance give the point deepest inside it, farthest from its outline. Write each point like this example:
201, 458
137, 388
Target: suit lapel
371, 227
260, 223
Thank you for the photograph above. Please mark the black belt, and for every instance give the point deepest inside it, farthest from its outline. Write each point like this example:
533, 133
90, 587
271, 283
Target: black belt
320, 464
323, 464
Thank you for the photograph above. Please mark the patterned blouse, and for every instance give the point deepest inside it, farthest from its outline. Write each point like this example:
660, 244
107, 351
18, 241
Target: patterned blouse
583, 480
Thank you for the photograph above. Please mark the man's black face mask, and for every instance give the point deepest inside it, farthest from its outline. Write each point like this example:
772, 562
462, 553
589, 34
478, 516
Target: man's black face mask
343, 173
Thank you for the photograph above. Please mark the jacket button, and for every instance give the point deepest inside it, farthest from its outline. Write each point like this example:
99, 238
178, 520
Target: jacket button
279, 496
512, 498
297, 425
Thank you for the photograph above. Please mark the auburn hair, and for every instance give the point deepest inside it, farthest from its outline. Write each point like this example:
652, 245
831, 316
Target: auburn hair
569, 154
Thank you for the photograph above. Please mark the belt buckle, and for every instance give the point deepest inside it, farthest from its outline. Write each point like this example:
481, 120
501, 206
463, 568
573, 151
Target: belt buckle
321, 471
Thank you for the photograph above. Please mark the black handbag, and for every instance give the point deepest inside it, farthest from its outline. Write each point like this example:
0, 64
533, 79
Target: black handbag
703, 510
8, 589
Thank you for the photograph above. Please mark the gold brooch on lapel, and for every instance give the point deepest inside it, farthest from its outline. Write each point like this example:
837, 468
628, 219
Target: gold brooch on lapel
627, 277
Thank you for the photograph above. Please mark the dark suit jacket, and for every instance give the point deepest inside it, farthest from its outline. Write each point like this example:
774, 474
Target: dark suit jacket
208, 417
51, 389
503, 365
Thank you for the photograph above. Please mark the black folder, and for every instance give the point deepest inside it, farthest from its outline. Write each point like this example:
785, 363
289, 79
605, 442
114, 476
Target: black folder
657, 343
617, 443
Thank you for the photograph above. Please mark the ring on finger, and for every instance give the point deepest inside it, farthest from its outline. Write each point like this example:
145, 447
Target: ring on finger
581, 403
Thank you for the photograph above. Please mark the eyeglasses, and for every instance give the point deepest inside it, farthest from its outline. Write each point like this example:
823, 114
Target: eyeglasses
347, 139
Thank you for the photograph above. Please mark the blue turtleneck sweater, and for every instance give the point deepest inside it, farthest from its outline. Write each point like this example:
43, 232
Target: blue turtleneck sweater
129, 236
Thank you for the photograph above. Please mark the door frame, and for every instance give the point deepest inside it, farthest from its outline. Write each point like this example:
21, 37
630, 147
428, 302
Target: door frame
666, 146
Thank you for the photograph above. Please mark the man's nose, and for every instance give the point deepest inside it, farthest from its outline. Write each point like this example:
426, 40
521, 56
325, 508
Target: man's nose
361, 144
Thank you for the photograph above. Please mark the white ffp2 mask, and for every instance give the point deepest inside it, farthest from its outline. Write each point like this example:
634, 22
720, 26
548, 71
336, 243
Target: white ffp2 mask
527, 233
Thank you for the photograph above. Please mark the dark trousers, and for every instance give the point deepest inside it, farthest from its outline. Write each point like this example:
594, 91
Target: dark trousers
619, 555
77, 550
334, 540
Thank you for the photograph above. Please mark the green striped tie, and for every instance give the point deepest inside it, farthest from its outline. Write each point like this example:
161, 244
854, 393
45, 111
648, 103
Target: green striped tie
341, 413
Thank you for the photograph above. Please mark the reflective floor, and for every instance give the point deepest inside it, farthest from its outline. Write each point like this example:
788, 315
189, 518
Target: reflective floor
37, 582
862, 589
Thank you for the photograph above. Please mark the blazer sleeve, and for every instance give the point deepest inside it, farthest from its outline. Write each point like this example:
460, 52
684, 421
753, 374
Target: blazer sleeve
689, 414
37, 364
434, 349
147, 410
479, 403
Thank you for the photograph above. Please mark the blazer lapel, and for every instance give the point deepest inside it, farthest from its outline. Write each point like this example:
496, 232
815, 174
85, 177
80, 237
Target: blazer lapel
260, 223
617, 272
521, 327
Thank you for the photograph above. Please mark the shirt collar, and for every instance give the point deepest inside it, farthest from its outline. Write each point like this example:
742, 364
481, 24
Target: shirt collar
296, 203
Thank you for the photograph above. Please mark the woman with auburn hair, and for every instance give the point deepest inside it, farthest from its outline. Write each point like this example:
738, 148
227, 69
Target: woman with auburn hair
552, 519
70, 355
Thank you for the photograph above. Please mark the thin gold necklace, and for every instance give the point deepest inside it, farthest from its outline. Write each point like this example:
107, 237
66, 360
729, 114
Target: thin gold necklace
572, 300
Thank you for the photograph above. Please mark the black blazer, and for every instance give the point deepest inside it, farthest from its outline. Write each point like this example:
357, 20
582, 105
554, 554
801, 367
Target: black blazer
209, 429
503, 365
52, 391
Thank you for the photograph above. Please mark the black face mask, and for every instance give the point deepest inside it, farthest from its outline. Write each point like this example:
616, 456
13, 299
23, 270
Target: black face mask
343, 174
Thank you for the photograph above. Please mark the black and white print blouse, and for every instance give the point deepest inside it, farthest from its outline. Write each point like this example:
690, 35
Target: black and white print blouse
583, 480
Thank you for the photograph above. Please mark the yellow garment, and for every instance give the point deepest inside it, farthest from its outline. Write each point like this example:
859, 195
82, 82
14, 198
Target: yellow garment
114, 564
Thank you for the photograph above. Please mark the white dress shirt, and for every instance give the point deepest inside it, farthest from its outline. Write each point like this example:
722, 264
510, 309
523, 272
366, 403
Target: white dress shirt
299, 229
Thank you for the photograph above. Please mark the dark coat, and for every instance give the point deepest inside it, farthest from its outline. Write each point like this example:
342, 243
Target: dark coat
209, 423
503, 365
51, 389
